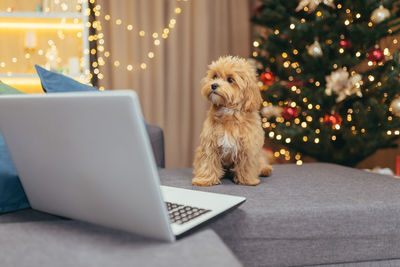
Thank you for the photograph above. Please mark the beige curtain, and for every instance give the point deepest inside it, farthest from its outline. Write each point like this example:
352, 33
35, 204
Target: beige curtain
169, 87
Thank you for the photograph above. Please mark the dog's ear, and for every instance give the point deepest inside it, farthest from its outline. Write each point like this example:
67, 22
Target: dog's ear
252, 96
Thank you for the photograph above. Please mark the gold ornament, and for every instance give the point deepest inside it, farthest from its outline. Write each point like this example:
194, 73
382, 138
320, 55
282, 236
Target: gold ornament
315, 49
343, 85
380, 14
313, 4
395, 106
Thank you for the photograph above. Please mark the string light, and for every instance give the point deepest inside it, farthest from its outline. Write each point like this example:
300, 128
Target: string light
386, 52
157, 42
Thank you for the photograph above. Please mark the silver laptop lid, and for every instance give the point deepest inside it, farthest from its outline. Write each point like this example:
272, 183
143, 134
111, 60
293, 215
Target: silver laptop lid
86, 156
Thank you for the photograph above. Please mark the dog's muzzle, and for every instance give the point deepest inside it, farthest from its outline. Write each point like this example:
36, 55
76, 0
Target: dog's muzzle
214, 86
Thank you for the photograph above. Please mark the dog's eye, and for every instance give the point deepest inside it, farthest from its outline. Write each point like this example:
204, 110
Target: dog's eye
215, 76
230, 80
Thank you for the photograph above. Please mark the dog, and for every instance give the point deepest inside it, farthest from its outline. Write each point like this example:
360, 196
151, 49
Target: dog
232, 138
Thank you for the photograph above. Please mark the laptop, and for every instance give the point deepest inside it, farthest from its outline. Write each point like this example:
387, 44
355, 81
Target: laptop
87, 156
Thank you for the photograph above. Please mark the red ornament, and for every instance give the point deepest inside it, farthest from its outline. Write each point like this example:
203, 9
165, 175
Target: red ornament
284, 36
296, 83
258, 9
345, 43
267, 77
290, 113
375, 55
333, 119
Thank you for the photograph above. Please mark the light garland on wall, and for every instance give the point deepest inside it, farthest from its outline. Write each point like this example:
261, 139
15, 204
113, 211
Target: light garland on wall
158, 37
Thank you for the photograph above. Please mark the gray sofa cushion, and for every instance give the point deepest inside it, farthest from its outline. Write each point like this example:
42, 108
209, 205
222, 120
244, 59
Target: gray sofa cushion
27, 215
72, 243
157, 143
311, 214
384, 263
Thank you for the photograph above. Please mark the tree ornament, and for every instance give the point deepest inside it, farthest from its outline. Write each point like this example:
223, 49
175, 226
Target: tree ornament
258, 9
292, 83
290, 113
333, 119
343, 84
345, 43
271, 111
395, 106
313, 4
375, 55
315, 49
284, 36
267, 77
380, 14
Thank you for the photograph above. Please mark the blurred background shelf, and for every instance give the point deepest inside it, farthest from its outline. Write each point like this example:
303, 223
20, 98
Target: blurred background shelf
44, 15
57, 40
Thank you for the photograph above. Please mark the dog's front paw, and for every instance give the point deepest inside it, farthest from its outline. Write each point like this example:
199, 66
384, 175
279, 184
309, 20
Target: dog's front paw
251, 182
266, 171
204, 181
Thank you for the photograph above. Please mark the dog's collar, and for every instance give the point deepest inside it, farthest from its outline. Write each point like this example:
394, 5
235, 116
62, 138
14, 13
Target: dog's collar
224, 111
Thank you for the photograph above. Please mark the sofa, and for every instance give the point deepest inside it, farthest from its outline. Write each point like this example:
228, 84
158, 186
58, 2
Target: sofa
310, 215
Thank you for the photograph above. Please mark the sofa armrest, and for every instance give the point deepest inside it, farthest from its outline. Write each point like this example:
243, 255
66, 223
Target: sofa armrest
157, 143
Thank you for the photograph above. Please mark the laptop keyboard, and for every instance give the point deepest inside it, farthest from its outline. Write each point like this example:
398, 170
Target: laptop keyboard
181, 214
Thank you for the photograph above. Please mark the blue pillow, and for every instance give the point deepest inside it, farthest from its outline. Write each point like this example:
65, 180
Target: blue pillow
53, 82
12, 195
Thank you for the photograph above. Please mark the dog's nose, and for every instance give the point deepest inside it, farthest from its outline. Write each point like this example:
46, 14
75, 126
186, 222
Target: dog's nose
214, 86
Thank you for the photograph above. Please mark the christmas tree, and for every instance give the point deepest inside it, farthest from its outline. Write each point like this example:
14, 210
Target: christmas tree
329, 76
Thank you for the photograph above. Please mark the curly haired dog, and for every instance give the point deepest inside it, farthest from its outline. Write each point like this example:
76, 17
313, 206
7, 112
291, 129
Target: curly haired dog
232, 136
